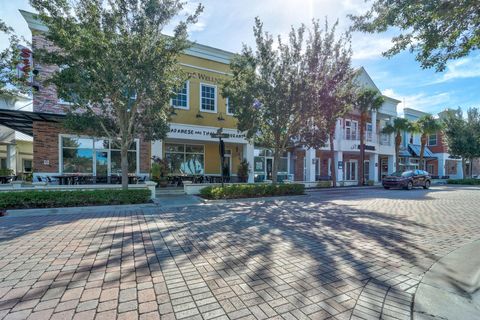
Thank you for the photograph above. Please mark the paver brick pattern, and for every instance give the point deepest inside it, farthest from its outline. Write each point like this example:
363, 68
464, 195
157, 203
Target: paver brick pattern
336, 255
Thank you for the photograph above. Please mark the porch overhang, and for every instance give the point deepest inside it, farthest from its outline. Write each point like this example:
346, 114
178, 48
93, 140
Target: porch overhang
22, 121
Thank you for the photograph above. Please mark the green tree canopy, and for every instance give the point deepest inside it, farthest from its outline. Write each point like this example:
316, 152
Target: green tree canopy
426, 126
462, 134
10, 81
116, 67
398, 126
436, 30
328, 86
265, 90
366, 101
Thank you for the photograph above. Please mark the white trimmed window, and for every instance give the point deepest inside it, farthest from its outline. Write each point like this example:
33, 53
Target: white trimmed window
432, 139
230, 109
181, 98
208, 98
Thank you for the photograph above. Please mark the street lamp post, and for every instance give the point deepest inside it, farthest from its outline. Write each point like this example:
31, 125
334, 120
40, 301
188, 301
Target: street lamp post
221, 149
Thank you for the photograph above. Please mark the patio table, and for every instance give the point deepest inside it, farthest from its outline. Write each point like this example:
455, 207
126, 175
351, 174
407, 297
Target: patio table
6, 179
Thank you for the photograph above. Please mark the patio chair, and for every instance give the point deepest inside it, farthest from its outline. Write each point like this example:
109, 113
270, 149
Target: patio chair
52, 180
141, 179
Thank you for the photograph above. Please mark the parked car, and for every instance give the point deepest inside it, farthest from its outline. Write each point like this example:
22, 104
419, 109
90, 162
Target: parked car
407, 180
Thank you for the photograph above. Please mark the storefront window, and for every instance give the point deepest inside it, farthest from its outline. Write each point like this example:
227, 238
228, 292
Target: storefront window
185, 158
95, 156
77, 155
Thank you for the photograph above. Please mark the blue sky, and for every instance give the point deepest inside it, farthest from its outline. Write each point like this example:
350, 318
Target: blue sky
227, 24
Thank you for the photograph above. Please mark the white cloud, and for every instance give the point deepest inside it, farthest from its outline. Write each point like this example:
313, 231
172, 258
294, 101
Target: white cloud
422, 101
370, 47
468, 67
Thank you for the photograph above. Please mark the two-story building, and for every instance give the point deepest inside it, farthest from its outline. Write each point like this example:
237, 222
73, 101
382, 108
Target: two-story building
198, 111
313, 165
438, 161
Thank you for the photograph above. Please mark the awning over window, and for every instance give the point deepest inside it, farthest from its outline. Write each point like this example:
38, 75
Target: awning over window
415, 150
22, 121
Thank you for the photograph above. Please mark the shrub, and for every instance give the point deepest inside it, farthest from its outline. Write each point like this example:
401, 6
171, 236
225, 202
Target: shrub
53, 199
370, 182
235, 191
464, 181
324, 184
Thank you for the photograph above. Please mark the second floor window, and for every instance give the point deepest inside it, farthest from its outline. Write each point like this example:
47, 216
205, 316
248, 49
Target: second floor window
351, 127
230, 109
181, 98
432, 140
208, 97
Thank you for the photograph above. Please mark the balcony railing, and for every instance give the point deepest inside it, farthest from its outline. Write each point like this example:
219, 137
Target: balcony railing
355, 136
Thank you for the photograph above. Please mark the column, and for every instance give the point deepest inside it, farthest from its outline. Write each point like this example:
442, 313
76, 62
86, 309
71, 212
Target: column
391, 164
248, 154
310, 170
374, 127
441, 166
12, 157
157, 148
374, 167
338, 157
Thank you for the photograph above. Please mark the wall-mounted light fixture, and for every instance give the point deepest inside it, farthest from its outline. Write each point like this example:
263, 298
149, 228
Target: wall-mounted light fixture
220, 117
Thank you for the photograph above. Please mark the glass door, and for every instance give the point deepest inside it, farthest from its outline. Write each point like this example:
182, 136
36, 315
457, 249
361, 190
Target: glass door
351, 170
269, 168
366, 170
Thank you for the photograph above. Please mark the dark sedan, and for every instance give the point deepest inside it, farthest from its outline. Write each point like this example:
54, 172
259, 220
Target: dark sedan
407, 180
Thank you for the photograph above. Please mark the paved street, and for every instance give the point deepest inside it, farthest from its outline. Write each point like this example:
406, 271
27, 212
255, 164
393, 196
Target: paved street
335, 254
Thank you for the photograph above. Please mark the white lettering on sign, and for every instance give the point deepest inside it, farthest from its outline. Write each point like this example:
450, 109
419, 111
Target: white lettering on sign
179, 131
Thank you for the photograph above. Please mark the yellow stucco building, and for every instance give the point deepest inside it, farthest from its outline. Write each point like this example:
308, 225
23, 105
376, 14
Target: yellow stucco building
199, 110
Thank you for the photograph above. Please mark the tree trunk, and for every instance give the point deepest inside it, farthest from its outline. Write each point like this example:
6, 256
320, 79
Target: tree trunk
398, 141
276, 160
423, 141
464, 168
124, 164
332, 162
470, 167
361, 175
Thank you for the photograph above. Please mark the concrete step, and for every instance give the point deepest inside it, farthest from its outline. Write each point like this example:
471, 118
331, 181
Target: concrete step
169, 191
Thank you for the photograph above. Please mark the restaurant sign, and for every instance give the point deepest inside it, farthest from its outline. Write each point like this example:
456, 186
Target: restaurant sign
183, 131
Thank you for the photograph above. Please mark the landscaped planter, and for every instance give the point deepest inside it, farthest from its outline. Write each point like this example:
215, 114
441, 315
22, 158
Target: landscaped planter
73, 198
251, 190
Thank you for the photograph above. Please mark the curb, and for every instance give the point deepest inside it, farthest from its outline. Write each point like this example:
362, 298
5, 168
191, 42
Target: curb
450, 288
34, 212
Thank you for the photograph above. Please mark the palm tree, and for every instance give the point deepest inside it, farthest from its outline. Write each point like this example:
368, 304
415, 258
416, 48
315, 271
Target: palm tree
399, 125
368, 100
426, 126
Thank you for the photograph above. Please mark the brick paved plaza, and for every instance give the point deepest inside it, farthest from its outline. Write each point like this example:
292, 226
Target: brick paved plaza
338, 255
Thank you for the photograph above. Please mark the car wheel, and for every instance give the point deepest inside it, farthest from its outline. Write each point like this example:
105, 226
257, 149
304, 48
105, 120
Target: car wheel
386, 187
409, 185
427, 185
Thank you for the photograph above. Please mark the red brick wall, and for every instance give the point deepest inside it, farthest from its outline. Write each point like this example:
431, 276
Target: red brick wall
441, 146
145, 156
300, 155
324, 156
45, 146
433, 163
45, 99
